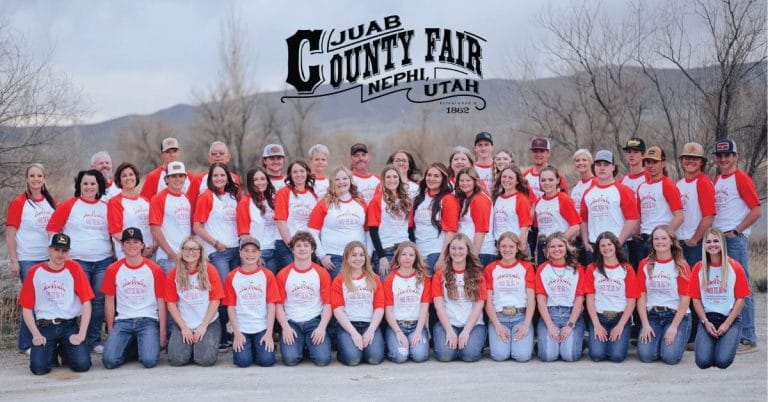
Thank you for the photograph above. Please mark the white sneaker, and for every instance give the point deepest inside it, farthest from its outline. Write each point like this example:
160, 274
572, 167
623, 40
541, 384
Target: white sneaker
28, 351
98, 349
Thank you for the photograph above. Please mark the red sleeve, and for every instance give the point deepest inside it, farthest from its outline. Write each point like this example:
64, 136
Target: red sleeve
15, 208
337, 292
60, 216
683, 281
82, 286
567, 210
563, 184
630, 283
157, 209
282, 197
317, 217
273, 293
483, 290
282, 277
378, 294
694, 288
325, 284
746, 188
488, 275
426, 294
641, 275
437, 284
582, 282
108, 284
530, 275
217, 291
671, 194
149, 189
539, 288
171, 294
115, 214
480, 211
203, 207
27, 294
449, 214
628, 202
523, 206
373, 216
157, 274
230, 297
589, 279
706, 193
389, 295
741, 285
196, 183
243, 216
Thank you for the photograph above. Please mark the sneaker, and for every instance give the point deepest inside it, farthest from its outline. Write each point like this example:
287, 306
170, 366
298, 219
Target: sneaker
224, 347
690, 346
98, 349
27, 351
746, 347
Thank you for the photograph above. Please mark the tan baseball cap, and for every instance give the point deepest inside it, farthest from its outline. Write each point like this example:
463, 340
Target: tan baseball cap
655, 153
169, 143
693, 149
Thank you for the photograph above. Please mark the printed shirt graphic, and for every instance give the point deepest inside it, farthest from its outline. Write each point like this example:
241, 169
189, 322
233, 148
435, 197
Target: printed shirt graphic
479, 218
321, 187
555, 214
218, 215
250, 293
634, 181
366, 185
510, 213
664, 287
657, 200
193, 302
486, 175
698, 198
561, 284
251, 221
607, 208
85, 222
55, 294
612, 289
172, 212
460, 309
294, 209
714, 297
405, 295
358, 305
136, 288
392, 229
303, 293
427, 238
577, 192
338, 225
126, 212
509, 283
735, 195
30, 218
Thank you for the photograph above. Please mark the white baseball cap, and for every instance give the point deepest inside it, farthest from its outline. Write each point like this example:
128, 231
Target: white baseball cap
175, 168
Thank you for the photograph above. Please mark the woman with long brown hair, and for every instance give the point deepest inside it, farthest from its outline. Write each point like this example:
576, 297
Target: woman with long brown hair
387, 218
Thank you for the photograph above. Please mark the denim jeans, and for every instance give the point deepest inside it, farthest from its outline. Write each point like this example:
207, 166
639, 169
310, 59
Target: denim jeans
224, 261
254, 352
25, 337
711, 352
205, 352
166, 265
389, 253
293, 354
615, 351
641, 249
568, 350
692, 256
518, 349
146, 332
57, 336
431, 261
398, 354
95, 270
656, 348
738, 249
472, 352
486, 259
268, 258
336, 260
632, 255
349, 355
283, 255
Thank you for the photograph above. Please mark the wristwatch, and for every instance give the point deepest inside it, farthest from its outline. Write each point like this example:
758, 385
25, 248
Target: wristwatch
570, 324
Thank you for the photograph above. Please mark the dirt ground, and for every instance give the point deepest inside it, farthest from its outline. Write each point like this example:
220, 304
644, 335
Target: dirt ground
745, 380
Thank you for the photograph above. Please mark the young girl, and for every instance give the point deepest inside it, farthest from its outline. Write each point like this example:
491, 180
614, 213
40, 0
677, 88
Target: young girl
256, 215
250, 294
459, 294
387, 217
554, 211
357, 299
718, 290
193, 293
407, 293
511, 205
435, 215
611, 290
664, 297
560, 297
511, 301
475, 218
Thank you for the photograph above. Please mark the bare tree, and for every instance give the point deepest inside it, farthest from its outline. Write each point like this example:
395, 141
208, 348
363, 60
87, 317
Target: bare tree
301, 124
140, 144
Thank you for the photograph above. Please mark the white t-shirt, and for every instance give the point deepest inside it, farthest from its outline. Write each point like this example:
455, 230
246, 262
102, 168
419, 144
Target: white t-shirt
338, 225
735, 196
294, 209
85, 222
193, 302
304, 293
249, 293
509, 283
251, 221
173, 214
460, 309
55, 294
136, 288
30, 218
561, 284
218, 215
406, 295
360, 304
124, 212
664, 287
366, 185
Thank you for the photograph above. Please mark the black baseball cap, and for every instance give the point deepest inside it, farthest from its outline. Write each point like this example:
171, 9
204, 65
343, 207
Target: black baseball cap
133, 233
359, 147
725, 147
484, 136
635, 143
61, 241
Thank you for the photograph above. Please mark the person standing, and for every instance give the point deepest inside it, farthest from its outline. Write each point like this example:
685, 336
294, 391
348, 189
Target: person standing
170, 216
155, 181
218, 152
318, 161
102, 162
484, 155
366, 182
634, 150
256, 216
293, 206
273, 160
435, 216
540, 153
128, 209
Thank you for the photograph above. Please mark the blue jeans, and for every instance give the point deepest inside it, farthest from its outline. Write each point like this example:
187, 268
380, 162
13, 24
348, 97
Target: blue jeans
711, 352
254, 352
389, 253
692, 256
632, 255
641, 249
78, 356
349, 355
293, 354
738, 249
486, 259
431, 261
268, 258
398, 354
518, 349
224, 261
656, 348
568, 350
166, 265
615, 351
283, 255
336, 260
25, 337
145, 330
472, 352
95, 270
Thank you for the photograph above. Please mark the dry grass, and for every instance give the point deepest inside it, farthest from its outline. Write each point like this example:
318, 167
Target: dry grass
758, 262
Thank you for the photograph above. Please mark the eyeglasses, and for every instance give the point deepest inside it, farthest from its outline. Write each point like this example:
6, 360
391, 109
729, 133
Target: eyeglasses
400, 160
190, 249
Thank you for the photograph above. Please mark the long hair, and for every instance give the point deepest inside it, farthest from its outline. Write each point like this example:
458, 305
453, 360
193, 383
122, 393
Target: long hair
465, 200
600, 260
496, 170
259, 198
413, 172
571, 253
521, 186
397, 203
309, 184
332, 195
459, 150
230, 188
99, 180
473, 274
43, 190
520, 255
346, 268
677, 252
706, 259
183, 269
445, 188
419, 265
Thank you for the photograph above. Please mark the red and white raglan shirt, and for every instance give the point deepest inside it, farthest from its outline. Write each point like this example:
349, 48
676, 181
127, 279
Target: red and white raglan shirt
657, 200
303, 293
338, 225
173, 214
218, 214
555, 214
509, 283
735, 196
111, 191
533, 182
633, 181
278, 182
250, 221
128, 212
561, 284
135, 288
612, 289
715, 297
664, 286
155, 183
486, 175
607, 208
460, 309
321, 186
511, 212
55, 294
359, 304
366, 185
294, 208
200, 183
30, 217
392, 229
405, 295
479, 219
578, 190
413, 189
193, 302
698, 198
428, 239
250, 293
85, 222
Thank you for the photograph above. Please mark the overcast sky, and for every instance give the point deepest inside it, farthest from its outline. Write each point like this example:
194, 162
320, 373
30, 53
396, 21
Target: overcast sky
139, 56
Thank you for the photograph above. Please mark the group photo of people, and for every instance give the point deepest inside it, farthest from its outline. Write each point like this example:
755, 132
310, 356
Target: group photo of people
465, 258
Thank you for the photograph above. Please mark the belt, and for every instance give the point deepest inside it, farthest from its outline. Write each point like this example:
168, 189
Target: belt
56, 321
610, 315
407, 322
510, 311
662, 309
